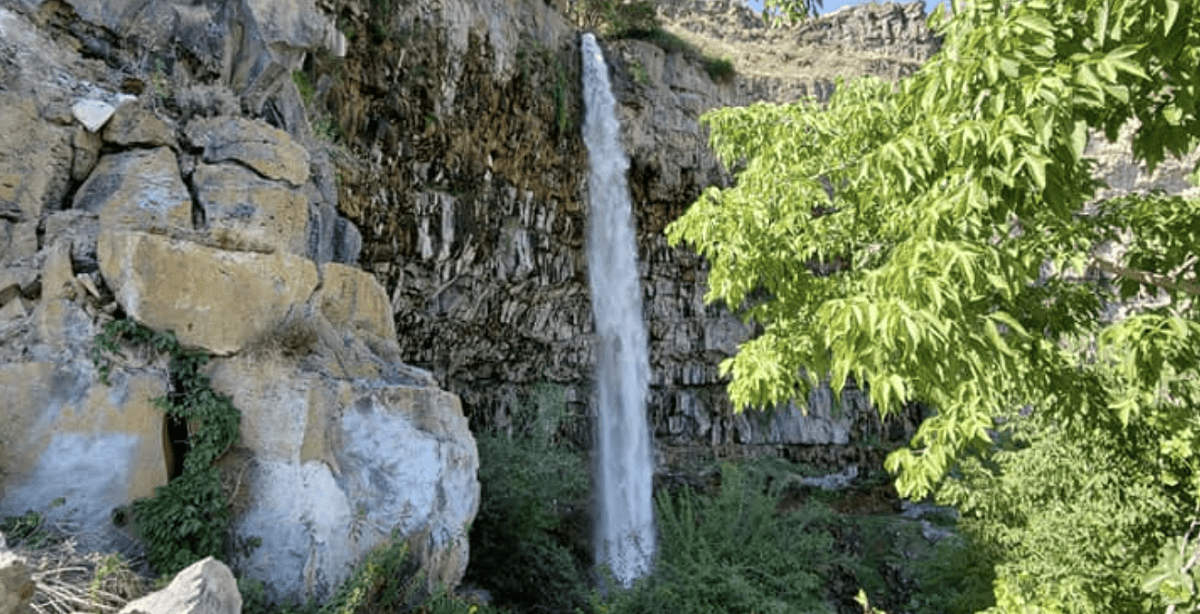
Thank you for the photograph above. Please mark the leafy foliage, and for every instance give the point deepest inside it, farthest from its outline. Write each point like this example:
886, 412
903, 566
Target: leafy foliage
387, 581
733, 553
617, 19
186, 519
538, 62
1078, 513
930, 239
28, 529
781, 12
520, 548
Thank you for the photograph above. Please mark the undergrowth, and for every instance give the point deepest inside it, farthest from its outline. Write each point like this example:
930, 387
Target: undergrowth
387, 581
733, 553
521, 548
187, 518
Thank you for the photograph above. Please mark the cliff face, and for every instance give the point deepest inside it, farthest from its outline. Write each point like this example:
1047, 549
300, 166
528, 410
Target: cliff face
464, 169
156, 164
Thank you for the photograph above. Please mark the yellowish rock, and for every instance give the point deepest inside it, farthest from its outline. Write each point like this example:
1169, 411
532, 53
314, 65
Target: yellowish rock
35, 160
352, 299
140, 188
67, 436
214, 299
244, 211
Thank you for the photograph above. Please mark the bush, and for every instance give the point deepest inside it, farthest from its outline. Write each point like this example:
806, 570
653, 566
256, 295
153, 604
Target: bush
957, 579
720, 69
733, 553
1077, 522
186, 519
617, 19
520, 550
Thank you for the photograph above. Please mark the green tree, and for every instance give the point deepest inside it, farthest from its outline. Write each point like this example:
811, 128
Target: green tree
931, 239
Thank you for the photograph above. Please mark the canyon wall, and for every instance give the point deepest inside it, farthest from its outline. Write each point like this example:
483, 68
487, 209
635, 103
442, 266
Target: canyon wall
464, 170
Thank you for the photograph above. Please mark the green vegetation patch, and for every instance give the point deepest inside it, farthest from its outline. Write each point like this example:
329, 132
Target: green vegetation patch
186, 519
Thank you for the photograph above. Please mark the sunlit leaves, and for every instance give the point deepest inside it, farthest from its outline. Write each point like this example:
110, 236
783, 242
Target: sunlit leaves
900, 234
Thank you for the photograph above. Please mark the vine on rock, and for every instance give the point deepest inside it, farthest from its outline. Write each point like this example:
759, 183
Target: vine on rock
187, 518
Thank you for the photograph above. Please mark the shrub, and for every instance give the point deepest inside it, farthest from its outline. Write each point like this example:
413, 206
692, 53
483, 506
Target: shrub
186, 519
720, 69
1077, 522
733, 553
520, 550
638, 19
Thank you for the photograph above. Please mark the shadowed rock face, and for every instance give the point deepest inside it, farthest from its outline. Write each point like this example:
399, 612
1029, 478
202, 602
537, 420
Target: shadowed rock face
191, 197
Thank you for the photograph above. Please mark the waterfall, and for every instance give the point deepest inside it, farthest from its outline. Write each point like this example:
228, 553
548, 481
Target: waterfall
625, 539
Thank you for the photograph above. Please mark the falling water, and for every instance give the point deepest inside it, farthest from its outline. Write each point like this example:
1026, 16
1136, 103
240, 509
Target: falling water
625, 521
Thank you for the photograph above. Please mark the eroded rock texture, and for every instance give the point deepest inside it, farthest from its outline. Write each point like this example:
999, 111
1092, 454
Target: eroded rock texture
157, 165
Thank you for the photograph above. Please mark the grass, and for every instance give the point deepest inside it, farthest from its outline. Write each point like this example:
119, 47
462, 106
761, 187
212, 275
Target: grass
721, 69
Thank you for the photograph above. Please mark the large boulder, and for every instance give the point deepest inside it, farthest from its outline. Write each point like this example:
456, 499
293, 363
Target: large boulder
205, 587
35, 160
338, 466
214, 299
139, 188
268, 151
74, 449
243, 210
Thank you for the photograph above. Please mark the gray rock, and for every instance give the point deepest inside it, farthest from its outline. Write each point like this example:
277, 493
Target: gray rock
268, 151
18, 241
16, 584
833, 481
347, 241
81, 229
19, 281
134, 125
204, 587
139, 189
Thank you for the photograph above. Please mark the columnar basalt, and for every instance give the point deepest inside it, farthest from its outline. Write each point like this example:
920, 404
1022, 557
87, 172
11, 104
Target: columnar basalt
469, 193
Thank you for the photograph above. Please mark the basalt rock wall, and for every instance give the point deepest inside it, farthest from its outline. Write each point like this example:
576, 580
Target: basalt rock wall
463, 166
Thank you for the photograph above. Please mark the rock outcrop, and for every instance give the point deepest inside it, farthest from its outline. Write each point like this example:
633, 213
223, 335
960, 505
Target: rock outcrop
192, 197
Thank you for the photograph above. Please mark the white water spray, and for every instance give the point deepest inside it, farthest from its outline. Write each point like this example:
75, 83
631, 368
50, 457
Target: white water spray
625, 539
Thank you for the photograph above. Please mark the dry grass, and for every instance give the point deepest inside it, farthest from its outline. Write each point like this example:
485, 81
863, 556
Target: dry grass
775, 58
71, 582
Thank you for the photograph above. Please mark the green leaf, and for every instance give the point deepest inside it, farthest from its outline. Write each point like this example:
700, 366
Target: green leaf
1035, 23
1172, 13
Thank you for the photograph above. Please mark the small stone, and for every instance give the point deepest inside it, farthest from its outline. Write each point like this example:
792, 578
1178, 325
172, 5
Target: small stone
93, 114
16, 585
205, 587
